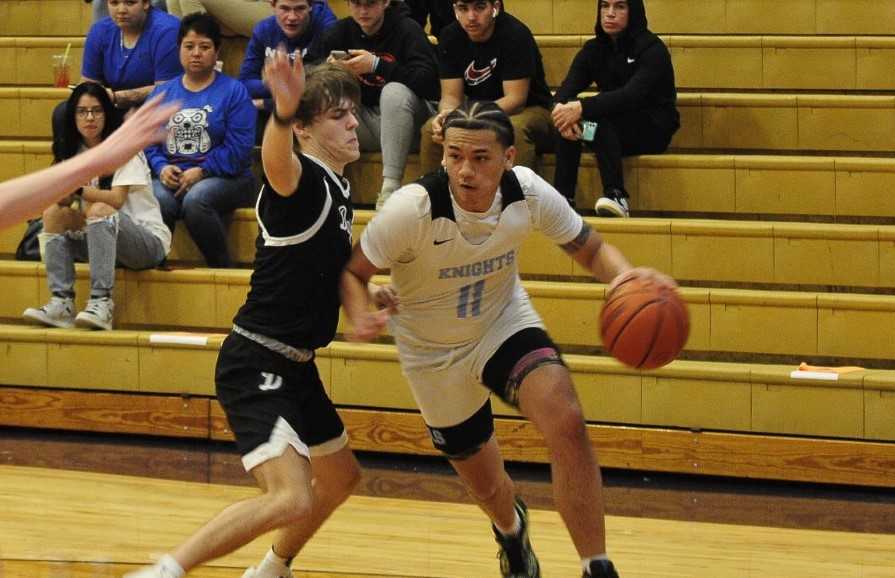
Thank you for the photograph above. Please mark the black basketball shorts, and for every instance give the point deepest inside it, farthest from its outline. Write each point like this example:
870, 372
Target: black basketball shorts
273, 403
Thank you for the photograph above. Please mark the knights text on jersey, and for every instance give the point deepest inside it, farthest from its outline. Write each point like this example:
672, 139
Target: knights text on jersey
453, 291
303, 243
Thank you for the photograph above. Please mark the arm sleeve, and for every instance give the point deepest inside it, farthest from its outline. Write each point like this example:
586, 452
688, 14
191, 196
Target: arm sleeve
577, 79
155, 153
250, 69
550, 211
396, 229
167, 56
92, 61
417, 69
232, 156
654, 63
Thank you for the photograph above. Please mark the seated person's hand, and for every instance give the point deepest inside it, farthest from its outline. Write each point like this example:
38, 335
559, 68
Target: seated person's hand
359, 62
189, 178
566, 115
170, 176
572, 133
438, 126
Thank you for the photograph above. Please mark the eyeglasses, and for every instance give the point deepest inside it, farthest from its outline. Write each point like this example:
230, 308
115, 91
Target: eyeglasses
94, 112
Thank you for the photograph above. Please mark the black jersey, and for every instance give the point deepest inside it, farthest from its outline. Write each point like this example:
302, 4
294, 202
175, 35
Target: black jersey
304, 242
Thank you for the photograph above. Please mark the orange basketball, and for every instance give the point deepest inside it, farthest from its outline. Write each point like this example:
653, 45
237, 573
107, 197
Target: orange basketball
644, 324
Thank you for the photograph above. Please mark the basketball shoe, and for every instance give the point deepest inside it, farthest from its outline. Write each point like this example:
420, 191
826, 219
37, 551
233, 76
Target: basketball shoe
59, 312
600, 569
613, 203
517, 559
167, 567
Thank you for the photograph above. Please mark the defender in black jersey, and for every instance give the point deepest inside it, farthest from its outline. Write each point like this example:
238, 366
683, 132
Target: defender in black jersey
286, 427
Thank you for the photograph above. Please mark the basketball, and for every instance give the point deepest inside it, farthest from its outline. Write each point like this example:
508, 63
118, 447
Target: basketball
644, 324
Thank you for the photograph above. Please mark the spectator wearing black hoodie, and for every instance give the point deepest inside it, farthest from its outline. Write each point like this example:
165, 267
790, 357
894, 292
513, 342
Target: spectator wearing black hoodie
392, 58
634, 111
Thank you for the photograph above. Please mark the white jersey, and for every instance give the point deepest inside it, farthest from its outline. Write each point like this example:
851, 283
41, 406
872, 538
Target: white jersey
141, 205
455, 272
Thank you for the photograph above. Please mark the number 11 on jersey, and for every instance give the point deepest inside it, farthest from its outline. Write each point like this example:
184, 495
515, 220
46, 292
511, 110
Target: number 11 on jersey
469, 303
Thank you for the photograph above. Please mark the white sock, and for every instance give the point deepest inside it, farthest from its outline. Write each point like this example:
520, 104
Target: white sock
390, 185
514, 531
585, 562
169, 564
274, 561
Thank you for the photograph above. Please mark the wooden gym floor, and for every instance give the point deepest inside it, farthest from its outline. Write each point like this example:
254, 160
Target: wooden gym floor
78, 505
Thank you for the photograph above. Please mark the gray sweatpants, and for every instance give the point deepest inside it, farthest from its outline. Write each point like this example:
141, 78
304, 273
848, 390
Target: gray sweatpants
393, 127
103, 243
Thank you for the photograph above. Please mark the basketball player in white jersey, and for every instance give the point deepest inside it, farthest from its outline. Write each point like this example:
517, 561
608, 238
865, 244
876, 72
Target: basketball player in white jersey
465, 327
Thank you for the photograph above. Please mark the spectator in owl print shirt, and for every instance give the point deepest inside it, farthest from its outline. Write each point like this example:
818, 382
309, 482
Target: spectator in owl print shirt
203, 169
391, 56
488, 54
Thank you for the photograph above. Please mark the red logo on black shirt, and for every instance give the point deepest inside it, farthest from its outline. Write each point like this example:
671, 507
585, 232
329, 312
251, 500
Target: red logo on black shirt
377, 80
475, 76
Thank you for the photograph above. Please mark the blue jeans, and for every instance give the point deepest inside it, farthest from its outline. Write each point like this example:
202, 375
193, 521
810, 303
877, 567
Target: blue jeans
202, 209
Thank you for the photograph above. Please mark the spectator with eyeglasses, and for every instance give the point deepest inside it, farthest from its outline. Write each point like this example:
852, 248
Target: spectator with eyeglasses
113, 219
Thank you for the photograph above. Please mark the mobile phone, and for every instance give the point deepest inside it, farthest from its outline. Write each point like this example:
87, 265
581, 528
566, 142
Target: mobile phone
588, 130
338, 54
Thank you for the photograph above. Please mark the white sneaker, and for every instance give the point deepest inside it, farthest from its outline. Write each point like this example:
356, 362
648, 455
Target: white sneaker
97, 314
167, 567
150, 572
252, 572
59, 312
614, 206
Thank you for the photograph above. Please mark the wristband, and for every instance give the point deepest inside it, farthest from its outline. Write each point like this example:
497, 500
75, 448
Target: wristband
280, 120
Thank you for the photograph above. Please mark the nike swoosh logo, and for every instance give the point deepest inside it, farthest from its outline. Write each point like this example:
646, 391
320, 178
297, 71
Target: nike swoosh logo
437, 242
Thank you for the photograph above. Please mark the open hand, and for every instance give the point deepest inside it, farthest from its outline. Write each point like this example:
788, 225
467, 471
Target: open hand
285, 80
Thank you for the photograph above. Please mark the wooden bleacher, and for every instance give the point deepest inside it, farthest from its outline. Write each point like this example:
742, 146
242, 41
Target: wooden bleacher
774, 209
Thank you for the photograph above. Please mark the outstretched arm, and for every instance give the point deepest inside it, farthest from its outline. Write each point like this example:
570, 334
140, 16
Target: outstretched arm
28, 195
287, 84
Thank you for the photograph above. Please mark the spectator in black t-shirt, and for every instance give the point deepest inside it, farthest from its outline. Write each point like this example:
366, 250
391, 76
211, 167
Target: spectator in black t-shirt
490, 55
634, 112
395, 63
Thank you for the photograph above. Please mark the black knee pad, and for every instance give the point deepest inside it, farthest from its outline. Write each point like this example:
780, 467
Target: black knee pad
460, 441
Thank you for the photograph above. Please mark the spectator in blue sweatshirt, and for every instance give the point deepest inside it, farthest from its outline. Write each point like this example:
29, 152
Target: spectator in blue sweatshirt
203, 169
296, 24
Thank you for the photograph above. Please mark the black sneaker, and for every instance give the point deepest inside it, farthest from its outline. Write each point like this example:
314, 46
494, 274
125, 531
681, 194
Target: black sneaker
601, 569
517, 559
613, 203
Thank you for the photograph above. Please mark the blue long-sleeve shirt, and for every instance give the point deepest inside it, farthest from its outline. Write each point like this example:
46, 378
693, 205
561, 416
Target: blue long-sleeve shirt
214, 129
267, 35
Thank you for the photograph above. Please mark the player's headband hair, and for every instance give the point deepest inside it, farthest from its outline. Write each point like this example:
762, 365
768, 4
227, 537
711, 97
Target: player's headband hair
482, 115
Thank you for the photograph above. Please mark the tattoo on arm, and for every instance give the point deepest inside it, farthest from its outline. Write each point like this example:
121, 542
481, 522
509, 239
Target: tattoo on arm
579, 241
